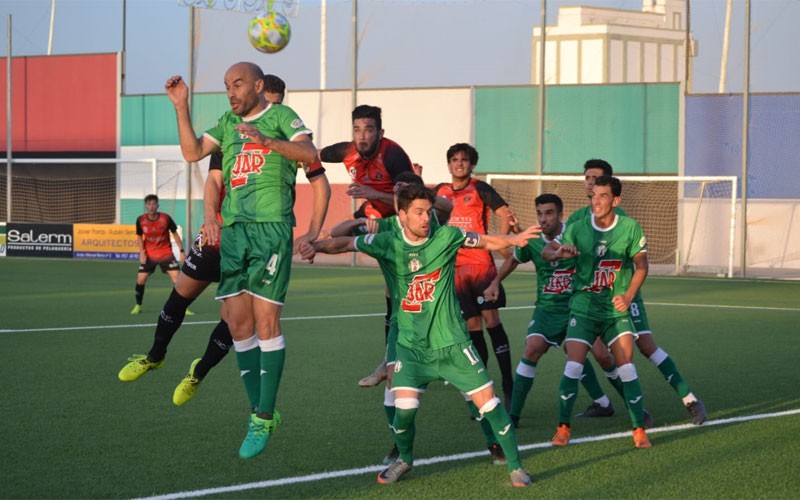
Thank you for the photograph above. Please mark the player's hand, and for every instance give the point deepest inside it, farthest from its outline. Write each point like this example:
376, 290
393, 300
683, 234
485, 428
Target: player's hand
567, 251
251, 132
142, 258
521, 239
372, 225
177, 91
306, 251
361, 191
492, 292
417, 169
621, 303
306, 238
211, 230
513, 221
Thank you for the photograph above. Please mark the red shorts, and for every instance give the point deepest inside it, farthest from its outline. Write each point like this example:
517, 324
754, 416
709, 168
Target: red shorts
471, 281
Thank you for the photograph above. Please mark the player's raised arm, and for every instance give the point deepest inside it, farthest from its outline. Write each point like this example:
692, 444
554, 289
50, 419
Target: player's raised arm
193, 148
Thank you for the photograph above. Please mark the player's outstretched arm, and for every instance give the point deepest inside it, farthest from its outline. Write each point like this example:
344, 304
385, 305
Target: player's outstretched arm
341, 244
347, 227
298, 149
496, 242
193, 148
361, 191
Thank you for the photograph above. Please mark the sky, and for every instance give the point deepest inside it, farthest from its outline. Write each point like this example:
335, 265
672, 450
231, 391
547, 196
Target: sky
402, 43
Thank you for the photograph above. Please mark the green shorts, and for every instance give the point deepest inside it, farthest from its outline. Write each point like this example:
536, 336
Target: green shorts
255, 257
550, 325
639, 316
458, 364
586, 330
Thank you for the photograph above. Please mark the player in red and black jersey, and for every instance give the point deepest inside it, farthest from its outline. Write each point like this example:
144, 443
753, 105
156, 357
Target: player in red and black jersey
153, 230
373, 162
473, 200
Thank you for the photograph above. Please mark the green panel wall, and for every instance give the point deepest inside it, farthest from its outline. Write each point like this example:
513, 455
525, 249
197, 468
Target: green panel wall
505, 125
150, 120
634, 127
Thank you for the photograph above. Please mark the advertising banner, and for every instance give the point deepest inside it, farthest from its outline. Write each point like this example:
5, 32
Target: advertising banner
106, 241
2, 239
38, 240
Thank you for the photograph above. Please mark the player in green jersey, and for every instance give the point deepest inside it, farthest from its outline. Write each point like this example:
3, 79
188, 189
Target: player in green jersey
611, 265
260, 143
644, 336
548, 325
432, 341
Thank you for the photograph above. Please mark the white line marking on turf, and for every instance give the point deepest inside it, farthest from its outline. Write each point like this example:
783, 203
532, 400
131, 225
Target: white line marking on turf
447, 458
368, 315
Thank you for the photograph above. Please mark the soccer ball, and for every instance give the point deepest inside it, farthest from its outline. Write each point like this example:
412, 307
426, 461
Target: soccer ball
269, 32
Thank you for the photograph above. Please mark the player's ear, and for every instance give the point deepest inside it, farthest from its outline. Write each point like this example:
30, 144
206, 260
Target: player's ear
380, 134
616, 201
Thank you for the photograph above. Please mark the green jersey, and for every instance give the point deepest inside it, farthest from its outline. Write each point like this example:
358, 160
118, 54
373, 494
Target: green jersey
429, 315
586, 211
553, 279
259, 182
392, 224
605, 265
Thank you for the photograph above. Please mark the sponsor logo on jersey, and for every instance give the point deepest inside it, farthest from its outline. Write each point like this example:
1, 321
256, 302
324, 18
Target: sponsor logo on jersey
643, 242
573, 321
560, 282
297, 123
353, 172
604, 275
398, 365
420, 290
249, 160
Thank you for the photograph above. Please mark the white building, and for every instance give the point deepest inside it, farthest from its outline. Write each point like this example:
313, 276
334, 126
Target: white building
602, 45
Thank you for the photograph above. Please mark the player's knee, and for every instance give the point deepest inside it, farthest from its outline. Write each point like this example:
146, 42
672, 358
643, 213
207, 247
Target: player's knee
406, 403
627, 372
489, 405
245, 344
573, 369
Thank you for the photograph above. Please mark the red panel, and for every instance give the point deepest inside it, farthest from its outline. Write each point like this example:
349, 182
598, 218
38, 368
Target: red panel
339, 207
61, 103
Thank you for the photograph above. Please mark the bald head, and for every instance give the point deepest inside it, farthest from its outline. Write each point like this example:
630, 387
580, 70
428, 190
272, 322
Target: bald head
244, 83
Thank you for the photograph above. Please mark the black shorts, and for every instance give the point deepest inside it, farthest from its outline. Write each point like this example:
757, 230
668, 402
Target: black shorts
149, 267
471, 281
202, 263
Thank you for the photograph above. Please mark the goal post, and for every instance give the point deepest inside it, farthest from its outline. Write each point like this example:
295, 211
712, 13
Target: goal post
689, 221
98, 190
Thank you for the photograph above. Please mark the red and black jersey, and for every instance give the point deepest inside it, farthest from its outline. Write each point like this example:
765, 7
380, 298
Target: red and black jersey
471, 207
155, 235
377, 172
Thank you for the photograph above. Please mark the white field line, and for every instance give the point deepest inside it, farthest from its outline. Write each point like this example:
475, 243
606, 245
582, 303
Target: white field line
322, 476
367, 315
